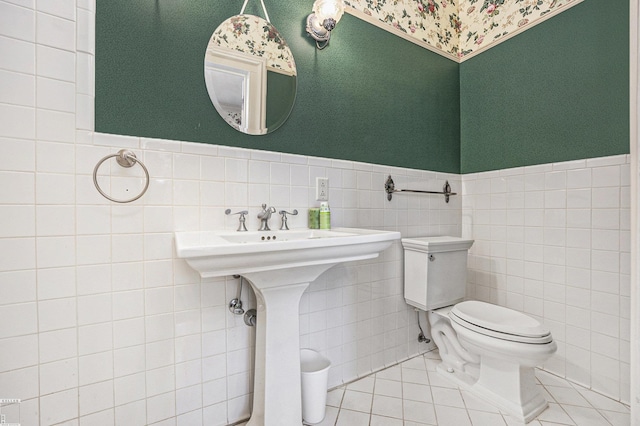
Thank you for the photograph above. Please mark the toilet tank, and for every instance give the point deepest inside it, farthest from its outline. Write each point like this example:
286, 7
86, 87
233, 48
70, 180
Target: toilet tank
435, 271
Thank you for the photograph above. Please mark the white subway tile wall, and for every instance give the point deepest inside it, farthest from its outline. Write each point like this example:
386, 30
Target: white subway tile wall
553, 241
111, 327
107, 326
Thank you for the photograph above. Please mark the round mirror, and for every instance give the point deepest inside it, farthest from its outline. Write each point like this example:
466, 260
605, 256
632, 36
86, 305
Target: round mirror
250, 74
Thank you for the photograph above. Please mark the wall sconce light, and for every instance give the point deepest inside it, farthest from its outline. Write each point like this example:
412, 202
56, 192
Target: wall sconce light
325, 16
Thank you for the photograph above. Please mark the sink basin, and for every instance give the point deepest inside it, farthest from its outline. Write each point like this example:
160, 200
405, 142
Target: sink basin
221, 253
279, 265
279, 236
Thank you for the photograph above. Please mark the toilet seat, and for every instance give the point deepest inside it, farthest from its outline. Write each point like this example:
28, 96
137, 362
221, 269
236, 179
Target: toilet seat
499, 322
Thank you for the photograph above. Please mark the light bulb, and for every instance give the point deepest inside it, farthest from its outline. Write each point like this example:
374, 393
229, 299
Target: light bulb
328, 9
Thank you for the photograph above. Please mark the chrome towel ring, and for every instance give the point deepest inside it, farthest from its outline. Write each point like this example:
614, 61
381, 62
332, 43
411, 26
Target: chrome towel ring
127, 159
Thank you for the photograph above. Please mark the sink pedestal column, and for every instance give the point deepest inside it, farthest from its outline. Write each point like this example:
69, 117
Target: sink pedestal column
277, 399
279, 272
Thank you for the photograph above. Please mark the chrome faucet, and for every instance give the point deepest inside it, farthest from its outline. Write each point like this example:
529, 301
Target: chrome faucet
264, 217
241, 225
284, 213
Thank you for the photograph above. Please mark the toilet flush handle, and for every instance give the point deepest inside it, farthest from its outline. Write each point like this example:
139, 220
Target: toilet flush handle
432, 257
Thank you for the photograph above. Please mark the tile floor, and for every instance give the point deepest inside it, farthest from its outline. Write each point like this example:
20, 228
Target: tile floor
414, 394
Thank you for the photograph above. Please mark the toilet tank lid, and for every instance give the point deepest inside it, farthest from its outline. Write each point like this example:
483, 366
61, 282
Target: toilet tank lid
437, 244
499, 318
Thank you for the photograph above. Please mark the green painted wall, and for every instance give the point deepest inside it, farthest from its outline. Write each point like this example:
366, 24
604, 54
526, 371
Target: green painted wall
557, 92
369, 96
278, 105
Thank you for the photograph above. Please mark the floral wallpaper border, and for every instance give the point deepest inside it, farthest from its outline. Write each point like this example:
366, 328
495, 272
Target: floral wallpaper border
457, 29
254, 35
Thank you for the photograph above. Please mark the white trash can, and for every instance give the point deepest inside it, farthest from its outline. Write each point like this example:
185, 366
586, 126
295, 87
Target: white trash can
314, 369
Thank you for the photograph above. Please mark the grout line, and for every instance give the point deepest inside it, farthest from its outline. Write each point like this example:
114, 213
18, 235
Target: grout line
506, 418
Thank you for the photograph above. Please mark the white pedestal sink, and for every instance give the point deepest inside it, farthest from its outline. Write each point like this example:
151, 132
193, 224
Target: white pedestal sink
279, 265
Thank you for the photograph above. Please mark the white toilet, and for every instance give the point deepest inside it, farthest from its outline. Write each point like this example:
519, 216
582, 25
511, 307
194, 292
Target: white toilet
487, 349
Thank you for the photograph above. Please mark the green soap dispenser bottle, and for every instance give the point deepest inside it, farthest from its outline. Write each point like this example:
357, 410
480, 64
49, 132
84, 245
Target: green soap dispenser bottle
325, 216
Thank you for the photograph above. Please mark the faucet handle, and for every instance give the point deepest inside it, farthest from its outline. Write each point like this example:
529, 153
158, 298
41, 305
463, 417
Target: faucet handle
241, 225
284, 213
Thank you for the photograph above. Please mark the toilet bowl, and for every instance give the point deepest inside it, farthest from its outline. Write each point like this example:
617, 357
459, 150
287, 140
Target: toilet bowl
454, 356
489, 350
510, 345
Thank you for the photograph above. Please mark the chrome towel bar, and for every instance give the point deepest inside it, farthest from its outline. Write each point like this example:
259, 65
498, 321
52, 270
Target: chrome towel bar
390, 188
